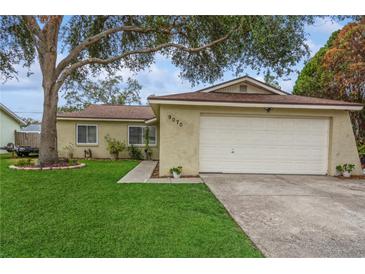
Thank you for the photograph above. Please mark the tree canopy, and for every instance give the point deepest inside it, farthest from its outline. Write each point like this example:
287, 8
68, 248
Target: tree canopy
337, 71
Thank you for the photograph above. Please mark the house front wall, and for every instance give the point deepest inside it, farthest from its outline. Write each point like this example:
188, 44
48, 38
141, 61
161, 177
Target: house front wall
180, 130
66, 132
8, 126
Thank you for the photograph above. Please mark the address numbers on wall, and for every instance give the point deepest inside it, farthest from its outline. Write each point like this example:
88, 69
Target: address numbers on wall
175, 120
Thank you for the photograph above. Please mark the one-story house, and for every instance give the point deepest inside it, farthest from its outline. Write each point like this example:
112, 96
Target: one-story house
9, 123
239, 126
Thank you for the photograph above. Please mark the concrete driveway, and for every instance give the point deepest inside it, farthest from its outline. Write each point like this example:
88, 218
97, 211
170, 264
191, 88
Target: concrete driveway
296, 216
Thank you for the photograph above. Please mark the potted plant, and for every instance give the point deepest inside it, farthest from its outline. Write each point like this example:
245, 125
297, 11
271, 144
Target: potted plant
339, 170
347, 169
114, 146
176, 172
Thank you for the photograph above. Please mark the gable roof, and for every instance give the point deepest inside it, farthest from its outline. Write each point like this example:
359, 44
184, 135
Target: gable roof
110, 112
245, 80
12, 114
251, 100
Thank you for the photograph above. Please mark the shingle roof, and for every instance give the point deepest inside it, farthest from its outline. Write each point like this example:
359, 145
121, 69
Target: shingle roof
250, 98
111, 112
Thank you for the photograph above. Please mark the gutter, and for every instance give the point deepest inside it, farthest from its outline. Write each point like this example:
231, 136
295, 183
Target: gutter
256, 105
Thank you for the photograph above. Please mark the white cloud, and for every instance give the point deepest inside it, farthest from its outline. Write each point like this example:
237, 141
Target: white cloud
325, 25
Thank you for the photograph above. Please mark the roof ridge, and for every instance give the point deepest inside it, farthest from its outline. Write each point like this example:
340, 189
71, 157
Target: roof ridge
119, 105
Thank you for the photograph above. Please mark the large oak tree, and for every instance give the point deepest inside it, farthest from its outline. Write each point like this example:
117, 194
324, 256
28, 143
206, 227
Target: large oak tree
72, 49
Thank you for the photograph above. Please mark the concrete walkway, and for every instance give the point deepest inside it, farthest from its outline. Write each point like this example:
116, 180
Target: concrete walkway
140, 174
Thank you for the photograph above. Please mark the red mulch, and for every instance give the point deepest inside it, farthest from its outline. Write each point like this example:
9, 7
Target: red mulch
353, 177
155, 173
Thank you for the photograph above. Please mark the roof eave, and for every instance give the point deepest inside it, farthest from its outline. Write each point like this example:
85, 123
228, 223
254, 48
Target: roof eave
256, 105
100, 119
13, 115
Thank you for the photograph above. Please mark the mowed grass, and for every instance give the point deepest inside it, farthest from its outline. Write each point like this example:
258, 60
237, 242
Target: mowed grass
85, 213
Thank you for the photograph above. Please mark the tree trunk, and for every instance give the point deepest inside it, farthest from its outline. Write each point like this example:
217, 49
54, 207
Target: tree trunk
48, 152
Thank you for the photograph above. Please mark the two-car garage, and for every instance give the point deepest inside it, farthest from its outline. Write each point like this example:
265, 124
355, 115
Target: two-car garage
263, 144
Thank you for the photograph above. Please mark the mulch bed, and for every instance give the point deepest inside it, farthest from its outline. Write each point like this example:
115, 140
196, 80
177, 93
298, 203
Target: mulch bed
61, 165
353, 177
155, 172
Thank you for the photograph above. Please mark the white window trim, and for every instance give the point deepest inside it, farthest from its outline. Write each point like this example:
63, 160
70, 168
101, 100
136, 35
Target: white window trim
142, 145
87, 144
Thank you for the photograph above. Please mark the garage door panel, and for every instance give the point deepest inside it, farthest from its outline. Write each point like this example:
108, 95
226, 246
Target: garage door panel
263, 145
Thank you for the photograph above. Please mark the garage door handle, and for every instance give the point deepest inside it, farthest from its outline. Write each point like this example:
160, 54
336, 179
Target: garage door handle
232, 151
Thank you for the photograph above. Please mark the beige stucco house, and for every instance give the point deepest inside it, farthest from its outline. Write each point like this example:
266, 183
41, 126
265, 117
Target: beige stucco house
239, 126
9, 123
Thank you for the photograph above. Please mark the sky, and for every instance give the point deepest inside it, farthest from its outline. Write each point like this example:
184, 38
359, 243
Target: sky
24, 96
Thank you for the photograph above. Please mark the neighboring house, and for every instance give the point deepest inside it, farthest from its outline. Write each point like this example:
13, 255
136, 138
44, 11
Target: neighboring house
32, 128
239, 126
9, 123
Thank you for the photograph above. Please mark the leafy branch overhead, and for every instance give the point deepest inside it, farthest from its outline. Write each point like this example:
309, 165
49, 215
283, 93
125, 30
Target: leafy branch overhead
95, 43
106, 91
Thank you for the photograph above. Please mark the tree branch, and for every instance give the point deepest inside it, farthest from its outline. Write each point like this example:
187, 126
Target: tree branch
32, 25
100, 61
93, 39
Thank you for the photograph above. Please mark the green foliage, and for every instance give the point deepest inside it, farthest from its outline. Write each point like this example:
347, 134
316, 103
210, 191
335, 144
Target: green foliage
348, 167
259, 42
339, 168
72, 162
87, 212
361, 149
110, 90
311, 80
24, 162
337, 71
135, 153
177, 170
114, 146
271, 80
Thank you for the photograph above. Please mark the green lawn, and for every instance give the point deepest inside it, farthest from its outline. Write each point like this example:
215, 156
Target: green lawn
85, 213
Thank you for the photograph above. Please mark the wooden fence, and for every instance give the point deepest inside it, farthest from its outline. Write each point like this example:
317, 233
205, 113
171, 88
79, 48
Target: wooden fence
31, 139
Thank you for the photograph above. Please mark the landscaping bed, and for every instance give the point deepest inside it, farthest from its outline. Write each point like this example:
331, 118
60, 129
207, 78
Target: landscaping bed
30, 164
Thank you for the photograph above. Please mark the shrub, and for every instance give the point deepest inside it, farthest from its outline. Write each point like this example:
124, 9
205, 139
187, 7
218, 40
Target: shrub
24, 162
72, 162
114, 146
361, 150
135, 153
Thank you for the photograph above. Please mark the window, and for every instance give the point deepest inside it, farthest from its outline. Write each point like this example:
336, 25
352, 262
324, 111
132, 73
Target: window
136, 135
87, 134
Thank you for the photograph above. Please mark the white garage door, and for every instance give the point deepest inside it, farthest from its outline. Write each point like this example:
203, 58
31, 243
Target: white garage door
263, 145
